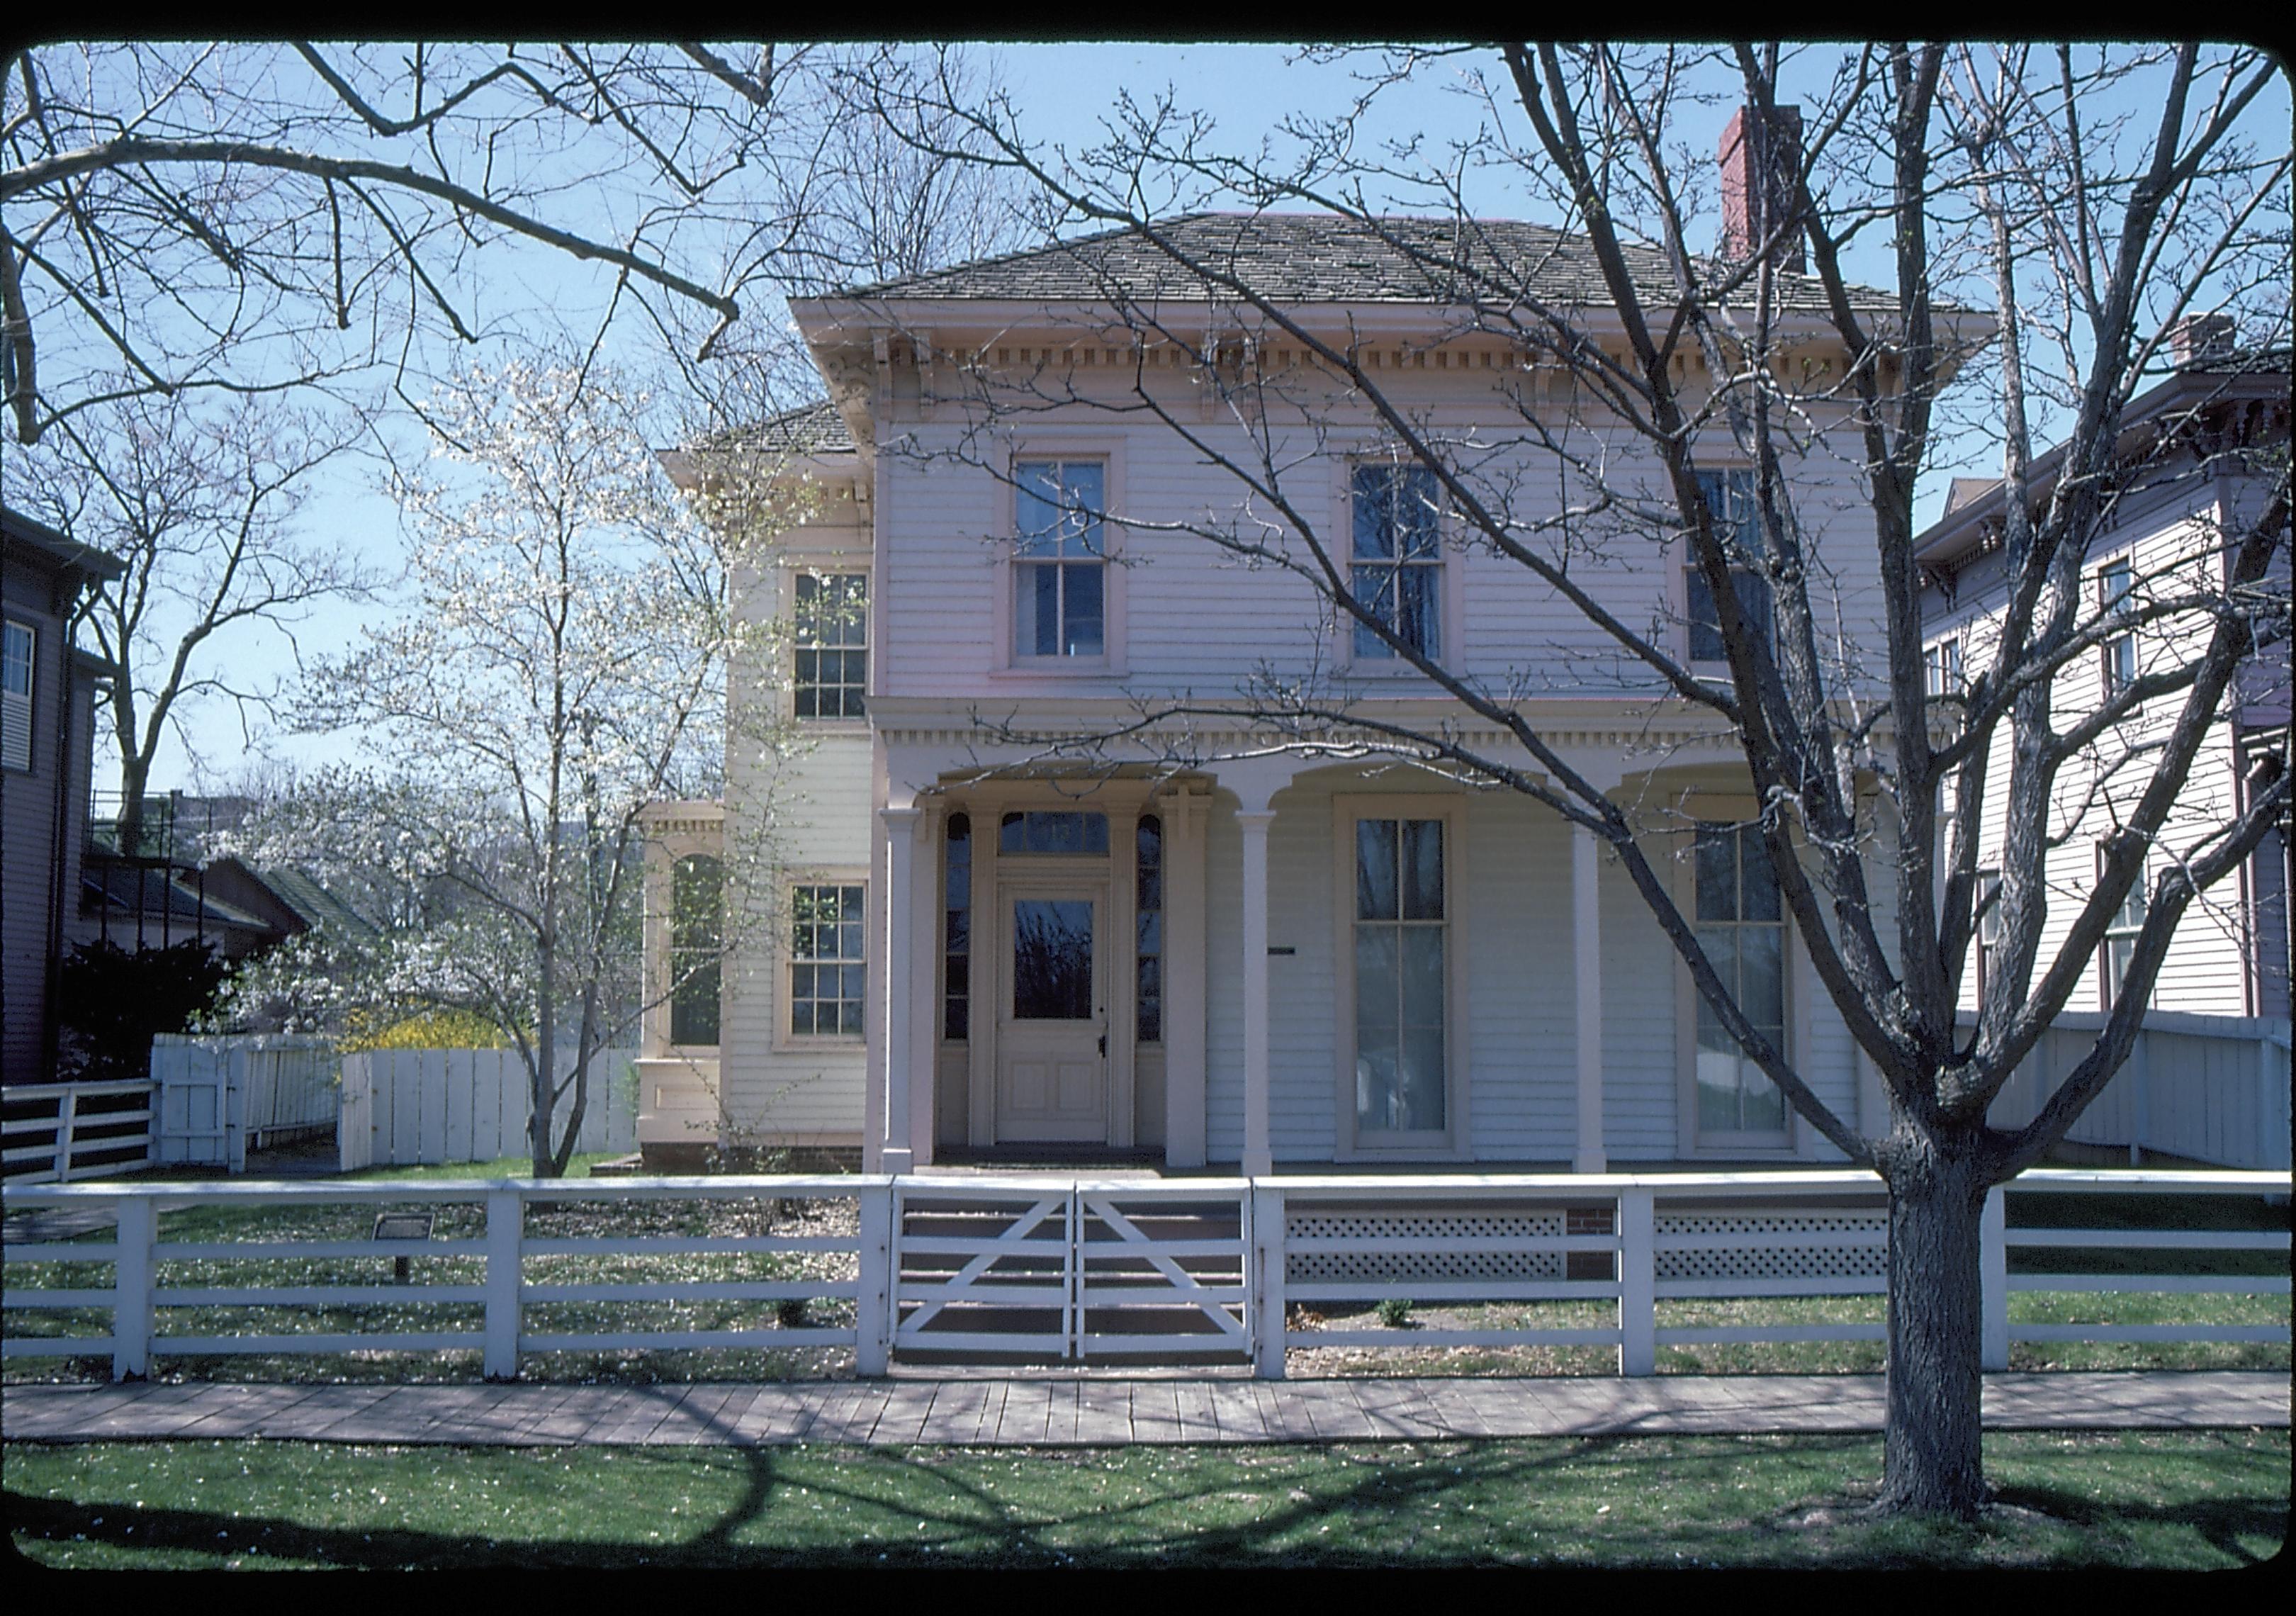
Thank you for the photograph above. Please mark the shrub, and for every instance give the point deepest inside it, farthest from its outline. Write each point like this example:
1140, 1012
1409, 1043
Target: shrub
1395, 1312
114, 1002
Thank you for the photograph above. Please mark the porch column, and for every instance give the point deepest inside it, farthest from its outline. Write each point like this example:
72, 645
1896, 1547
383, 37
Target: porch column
1185, 882
896, 1155
924, 900
1587, 952
1256, 1160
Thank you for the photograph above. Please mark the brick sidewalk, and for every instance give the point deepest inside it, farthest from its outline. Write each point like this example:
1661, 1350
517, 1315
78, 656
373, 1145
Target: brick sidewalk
1078, 1411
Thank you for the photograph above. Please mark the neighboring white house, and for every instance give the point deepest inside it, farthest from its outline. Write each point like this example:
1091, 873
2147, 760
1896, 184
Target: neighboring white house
1202, 951
2207, 448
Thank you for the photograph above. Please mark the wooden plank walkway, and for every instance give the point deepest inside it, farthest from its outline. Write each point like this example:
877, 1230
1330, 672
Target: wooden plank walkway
1078, 1411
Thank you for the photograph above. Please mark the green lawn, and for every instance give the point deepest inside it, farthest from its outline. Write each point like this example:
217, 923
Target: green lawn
2184, 1500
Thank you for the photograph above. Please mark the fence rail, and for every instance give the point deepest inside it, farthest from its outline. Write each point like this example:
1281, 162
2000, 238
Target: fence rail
406, 1107
1092, 1270
57, 1132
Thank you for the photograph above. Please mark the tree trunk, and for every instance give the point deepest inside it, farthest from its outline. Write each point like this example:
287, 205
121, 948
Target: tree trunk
546, 1067
1933, 1440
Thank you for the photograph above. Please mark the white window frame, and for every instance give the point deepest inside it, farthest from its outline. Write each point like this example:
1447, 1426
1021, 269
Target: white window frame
2111, 679
666, 844
2121, 930
1941, 668
1450, 613
1452, 1143
1004, 663
16, 707
825, 571
785, 958
1985, 927
669, 952
1692, 1139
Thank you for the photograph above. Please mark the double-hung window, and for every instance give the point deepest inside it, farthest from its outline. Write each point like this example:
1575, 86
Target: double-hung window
2115, 583
1942, 664
828, 963
1730, 498
697, 937
1059, 573
2119, 936
1741, 925
17, 641
1401, 944
1395, 558
1988, 929
832, 632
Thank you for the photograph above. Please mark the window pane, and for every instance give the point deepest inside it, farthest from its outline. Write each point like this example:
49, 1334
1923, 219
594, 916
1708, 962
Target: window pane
1152, 931
1082, 487
1152, 889
1036, 615
1419, 532
1415, 608
1084, 612
959, 931
802, 1016
960, 975
693, 1002
1375, 869
1422, 976
1376, 1096
849, 1019
1374, 536
1422, 869
1035, 506
1009, 831
1717, 873
1374, 589
1420, 1072
1761, 992
1763, 1107
1760, 884
1377, 998
1705, 622
1754, 605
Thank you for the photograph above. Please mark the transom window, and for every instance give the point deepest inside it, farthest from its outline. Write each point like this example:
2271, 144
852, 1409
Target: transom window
1061, 572
1052, 833
2115, 583
1395, 558
1400, 948
16, 644
2120, 934
832, 645
1730, 497
697, 938
828, 968
1741, 926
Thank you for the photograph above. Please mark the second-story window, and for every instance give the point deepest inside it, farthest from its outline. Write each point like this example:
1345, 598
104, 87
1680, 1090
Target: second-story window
2115, 583
1395, 558
16, 696
832, 631
1059, 575
1989, 928
1730, 497
1942, 662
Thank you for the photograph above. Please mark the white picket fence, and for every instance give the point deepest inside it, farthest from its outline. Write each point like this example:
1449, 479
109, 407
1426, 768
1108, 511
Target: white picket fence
1054, 1265
218, 1097
2200, 1087
57, 1132
409, 1107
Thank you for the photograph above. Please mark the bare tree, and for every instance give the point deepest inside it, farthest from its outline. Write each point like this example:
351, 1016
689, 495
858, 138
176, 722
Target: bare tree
199, 498
2033, 242
256, 216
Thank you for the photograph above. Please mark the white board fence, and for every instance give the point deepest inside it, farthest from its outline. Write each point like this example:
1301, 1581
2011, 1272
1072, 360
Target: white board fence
2200, 1087
410, 1107
218, 1097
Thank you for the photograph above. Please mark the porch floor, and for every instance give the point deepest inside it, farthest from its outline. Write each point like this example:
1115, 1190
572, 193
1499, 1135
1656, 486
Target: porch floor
1055, 1410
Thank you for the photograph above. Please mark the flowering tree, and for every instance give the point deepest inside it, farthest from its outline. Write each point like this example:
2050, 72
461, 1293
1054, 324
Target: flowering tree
561, 664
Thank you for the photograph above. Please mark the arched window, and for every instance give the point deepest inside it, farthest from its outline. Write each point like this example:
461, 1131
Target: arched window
697, 937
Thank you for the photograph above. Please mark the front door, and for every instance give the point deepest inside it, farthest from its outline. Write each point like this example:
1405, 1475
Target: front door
1052, 1020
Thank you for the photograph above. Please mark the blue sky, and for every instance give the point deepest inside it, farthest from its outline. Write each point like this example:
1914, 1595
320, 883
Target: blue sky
1063, 91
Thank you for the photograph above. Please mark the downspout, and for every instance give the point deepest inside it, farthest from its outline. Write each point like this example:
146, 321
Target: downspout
61, 602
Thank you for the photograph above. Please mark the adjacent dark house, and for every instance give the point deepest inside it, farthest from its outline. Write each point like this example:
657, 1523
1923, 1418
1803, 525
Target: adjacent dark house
47, 730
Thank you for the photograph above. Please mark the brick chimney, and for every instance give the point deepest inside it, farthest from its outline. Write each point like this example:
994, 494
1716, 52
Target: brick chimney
1758, 161
2201, 339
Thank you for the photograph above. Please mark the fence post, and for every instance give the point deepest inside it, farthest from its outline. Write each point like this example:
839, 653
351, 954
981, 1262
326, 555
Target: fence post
131, 1288
1270, 1231
66, 1111
506, 1236
872, 1303
1637, 1282
1993, 1279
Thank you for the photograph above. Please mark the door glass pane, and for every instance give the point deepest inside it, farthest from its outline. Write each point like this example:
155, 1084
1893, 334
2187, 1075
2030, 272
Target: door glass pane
1052, 960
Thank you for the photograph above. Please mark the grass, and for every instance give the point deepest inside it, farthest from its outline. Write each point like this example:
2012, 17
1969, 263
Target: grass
2184, 1500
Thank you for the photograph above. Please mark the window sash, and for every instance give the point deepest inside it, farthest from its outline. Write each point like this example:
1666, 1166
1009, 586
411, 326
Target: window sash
1402, 965
1741, 927
828, 971
18, 651
831, 637
1395, 557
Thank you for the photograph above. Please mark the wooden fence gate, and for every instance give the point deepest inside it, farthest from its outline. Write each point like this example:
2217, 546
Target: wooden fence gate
1071, 1272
